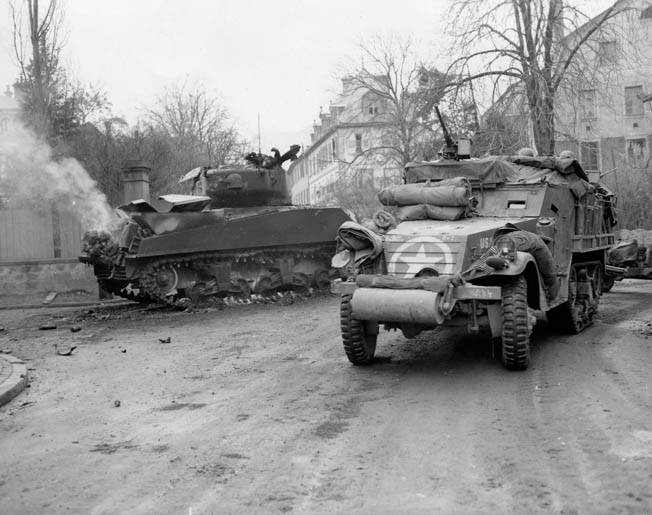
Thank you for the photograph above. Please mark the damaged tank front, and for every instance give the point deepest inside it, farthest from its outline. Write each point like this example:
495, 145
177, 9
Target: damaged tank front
236, 235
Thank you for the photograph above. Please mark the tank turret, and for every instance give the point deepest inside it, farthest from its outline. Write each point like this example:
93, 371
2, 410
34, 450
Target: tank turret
260, 181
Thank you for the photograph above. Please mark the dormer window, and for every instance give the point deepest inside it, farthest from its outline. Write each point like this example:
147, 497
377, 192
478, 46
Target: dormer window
372, 109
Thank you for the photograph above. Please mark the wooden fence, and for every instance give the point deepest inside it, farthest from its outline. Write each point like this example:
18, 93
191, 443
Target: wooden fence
37, 232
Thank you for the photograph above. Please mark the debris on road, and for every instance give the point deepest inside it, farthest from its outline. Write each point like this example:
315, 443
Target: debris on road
165, 340
75, 329
67, 352
47, 327
116, 404
50, 297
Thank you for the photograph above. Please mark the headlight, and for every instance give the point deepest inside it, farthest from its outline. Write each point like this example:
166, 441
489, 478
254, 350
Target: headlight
506, 248
341, 259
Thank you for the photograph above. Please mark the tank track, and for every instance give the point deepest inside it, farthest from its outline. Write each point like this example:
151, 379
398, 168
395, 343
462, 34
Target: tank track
247, 269
125, 289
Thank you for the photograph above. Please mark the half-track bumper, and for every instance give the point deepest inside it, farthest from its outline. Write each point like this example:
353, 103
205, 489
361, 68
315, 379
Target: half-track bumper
411, 305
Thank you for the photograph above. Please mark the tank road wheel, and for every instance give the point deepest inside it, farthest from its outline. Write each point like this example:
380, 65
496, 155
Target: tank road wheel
244, 287
516, 325
167, 279
321, 279
240, 287
578, 312
263, 285
359, 345
301, 282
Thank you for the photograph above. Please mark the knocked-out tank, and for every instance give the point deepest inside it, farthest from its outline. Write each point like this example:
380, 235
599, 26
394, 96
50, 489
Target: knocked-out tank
237, 234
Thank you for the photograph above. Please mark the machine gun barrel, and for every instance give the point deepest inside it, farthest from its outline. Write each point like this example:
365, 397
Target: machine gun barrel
447, 136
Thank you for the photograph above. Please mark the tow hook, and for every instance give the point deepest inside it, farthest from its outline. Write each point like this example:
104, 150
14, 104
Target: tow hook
447, 302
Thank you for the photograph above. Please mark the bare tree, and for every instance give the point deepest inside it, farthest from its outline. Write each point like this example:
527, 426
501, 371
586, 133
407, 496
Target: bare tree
196, 121
536, 44
186, 127
37, 47
406, 90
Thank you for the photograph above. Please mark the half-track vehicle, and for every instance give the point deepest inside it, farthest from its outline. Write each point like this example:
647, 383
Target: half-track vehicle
628, 259
477, 243
237, 234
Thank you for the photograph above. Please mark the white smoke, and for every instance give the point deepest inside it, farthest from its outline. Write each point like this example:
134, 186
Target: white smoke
28, 172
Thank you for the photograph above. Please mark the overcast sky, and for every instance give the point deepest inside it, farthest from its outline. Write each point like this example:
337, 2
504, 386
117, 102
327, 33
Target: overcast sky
279, 58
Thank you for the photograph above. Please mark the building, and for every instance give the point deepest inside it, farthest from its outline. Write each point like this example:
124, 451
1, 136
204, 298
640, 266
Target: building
607, 118
347, 141
9, 111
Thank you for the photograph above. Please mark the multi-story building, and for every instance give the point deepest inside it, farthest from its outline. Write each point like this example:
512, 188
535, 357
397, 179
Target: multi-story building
606, 119
347, 141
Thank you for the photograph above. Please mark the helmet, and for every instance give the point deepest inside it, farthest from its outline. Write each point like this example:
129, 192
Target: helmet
525, 151
567, 154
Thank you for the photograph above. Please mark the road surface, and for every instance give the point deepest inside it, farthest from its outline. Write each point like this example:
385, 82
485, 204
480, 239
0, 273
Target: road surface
255, 409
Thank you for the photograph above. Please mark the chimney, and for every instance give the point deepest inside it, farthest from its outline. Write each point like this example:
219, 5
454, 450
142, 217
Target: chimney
135, 176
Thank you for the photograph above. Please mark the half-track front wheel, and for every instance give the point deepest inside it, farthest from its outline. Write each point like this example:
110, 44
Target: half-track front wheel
516, 325
359, 344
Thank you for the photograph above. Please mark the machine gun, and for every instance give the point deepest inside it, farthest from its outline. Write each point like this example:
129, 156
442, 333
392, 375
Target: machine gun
460, 149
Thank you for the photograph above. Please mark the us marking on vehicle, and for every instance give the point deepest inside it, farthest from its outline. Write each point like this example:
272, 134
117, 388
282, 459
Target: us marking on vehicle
421, 252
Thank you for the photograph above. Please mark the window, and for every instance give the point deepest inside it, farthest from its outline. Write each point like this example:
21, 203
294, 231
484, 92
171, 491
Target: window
633, 102
333, 150
358, 143
608, 52
636, 152
587, 105
590, 155
372, 109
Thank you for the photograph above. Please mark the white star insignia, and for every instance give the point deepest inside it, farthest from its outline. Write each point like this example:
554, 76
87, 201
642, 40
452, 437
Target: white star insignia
417, 261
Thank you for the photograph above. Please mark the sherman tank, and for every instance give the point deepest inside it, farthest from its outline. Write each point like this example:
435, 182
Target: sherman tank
236, 234
477, 243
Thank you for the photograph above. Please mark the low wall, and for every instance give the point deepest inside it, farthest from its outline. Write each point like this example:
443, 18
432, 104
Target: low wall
60, 275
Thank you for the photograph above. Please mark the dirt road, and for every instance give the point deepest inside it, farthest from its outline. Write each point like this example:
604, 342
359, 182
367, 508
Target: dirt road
254, 409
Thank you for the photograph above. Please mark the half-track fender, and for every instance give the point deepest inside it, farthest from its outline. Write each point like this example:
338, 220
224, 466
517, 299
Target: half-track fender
526, 265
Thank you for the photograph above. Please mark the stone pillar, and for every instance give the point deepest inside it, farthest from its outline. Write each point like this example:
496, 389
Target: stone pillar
135, 177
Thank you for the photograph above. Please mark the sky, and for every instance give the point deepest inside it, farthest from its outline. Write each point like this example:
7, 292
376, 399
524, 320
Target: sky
280, 60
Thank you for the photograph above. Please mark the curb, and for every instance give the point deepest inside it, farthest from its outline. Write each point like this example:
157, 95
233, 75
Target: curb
90, 304
16, 381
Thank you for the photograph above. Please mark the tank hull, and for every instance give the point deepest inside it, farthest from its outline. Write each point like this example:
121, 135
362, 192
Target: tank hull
230, 252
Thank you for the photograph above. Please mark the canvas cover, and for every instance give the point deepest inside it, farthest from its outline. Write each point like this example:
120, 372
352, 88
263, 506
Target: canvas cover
500, 170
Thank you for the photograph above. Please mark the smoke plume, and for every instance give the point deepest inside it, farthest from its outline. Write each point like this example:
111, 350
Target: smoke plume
29, 172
